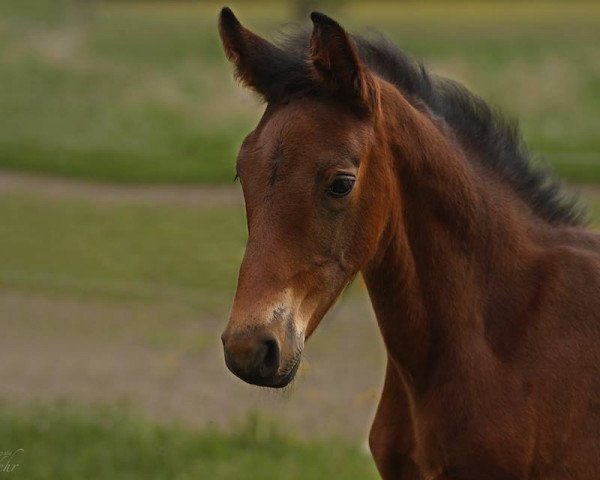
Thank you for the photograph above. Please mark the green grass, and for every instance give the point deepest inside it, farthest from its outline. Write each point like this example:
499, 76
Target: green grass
128, 251
141, 92
64, 443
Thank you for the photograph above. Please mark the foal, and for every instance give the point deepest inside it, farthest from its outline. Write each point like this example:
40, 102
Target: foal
485, 284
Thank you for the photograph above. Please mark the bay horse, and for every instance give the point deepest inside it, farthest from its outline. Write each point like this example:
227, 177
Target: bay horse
482, 274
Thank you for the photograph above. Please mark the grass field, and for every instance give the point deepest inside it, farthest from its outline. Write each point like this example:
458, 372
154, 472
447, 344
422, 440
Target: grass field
116, 294
67, 444
121, 251
142, 93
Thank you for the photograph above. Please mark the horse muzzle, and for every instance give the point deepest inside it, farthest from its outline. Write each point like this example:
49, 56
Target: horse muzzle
259, 357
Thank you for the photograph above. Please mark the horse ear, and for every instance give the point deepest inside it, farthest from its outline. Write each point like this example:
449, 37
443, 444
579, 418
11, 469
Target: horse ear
252, 55
337, 64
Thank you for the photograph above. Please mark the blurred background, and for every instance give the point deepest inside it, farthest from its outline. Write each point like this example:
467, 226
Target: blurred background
121, 229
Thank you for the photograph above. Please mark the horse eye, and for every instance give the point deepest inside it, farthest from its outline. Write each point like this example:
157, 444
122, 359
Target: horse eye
341, 186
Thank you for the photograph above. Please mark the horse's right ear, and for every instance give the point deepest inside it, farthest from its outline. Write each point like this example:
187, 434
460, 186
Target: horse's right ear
337, 64
254, 57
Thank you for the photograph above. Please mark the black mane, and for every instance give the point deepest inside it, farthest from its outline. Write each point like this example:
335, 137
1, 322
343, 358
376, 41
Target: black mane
496, 140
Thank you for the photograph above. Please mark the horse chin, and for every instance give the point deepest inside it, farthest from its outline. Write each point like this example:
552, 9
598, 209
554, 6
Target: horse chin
281, 380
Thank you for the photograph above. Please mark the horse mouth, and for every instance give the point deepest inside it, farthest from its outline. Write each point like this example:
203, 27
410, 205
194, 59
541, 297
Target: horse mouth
281, 380
284, 379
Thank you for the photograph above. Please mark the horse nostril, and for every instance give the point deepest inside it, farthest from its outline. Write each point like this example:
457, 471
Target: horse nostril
268, 360
252, 356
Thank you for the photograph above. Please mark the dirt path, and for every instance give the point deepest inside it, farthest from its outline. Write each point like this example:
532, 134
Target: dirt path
588, 192
167, 194
166, 360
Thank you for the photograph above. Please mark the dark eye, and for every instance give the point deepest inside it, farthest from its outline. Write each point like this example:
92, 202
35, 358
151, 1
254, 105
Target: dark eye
341, 186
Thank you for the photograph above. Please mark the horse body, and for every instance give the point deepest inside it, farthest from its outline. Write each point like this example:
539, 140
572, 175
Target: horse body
491, 326
498, 388
488, 304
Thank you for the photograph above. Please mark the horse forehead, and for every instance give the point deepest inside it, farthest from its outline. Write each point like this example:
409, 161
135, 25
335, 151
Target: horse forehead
308, 122
295, 139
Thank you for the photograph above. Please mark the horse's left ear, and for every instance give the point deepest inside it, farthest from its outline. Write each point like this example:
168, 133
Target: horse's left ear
258, 63
337, 64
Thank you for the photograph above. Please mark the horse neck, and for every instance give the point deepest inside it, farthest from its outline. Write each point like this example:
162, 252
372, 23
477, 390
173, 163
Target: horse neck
453, 238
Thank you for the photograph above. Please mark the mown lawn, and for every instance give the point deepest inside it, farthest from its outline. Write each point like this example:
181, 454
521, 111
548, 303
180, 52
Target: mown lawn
141, 92
125, 251
63, 443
